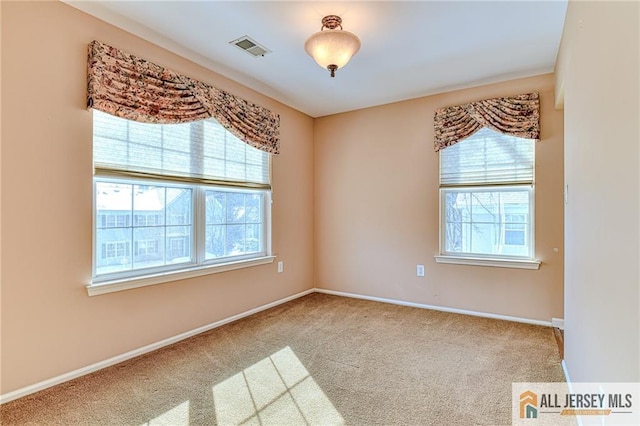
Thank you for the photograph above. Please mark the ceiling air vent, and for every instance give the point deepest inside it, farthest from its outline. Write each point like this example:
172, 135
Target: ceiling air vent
250, 46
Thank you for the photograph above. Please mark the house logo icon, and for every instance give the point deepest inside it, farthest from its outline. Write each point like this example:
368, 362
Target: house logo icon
528, 405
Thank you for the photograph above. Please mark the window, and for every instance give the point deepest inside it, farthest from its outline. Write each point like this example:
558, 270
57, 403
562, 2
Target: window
171, 198
486, 197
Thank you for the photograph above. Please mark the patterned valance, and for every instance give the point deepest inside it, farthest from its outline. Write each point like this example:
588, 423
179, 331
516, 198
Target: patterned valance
136, 89
516, 116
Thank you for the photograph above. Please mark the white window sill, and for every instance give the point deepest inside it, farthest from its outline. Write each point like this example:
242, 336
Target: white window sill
104, 287
497, 263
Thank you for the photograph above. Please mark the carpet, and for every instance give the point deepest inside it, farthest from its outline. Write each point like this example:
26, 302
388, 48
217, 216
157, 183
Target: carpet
317, 360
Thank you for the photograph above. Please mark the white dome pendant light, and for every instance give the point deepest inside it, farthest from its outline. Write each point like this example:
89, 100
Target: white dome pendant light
332, 48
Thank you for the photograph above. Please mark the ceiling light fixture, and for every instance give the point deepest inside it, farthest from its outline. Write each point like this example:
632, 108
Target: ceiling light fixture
333, 48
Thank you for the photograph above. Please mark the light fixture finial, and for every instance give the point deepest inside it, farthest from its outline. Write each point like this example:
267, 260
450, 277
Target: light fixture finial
332, 48
331, 22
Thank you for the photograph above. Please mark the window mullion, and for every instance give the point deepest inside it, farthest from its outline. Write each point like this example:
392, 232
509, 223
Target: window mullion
199, 230
131, 227
165, 223
531, 223
471, 223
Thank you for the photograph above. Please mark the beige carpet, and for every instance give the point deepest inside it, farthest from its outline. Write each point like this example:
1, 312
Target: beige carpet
318, 360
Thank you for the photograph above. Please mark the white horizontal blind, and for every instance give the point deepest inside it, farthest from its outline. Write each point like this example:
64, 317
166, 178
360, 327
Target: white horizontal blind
487, 157
201, 151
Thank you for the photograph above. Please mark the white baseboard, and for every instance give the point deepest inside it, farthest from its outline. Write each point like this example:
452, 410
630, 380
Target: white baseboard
436, 308
140, 351
558, 323
570, 386
566, 372
171, 340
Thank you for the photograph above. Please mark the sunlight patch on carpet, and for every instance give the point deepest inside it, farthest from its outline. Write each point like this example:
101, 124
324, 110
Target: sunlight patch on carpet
275, 390
177, 416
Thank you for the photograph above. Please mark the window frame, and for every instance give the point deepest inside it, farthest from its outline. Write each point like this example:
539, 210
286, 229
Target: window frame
480, 259
529, 230
199, 265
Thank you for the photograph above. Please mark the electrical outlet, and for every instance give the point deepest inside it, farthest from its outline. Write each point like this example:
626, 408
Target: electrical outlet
420, 270
280, 266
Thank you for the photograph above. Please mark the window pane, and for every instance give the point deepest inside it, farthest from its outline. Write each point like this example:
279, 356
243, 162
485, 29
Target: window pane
234, 244
453, 237
216, 207
113, 250
148, 247
253, 238
485, 207
179, 206
253, 208
514, 238
487, 222
141, 226
515, 230
235, 208
178, 244
234, 223
215, 241
484, 238
113, 200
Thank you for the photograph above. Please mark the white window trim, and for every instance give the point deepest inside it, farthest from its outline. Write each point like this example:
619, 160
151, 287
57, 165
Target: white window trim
493, 262
105, 287
101, 285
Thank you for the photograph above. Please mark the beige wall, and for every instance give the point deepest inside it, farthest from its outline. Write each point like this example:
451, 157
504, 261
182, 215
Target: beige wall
376, 197
598, 69
50, 325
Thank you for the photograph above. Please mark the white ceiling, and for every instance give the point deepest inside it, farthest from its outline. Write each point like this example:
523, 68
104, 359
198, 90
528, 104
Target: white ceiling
409, 49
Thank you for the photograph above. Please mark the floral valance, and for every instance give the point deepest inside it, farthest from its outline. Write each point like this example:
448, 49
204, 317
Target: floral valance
136, 89
516, 116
